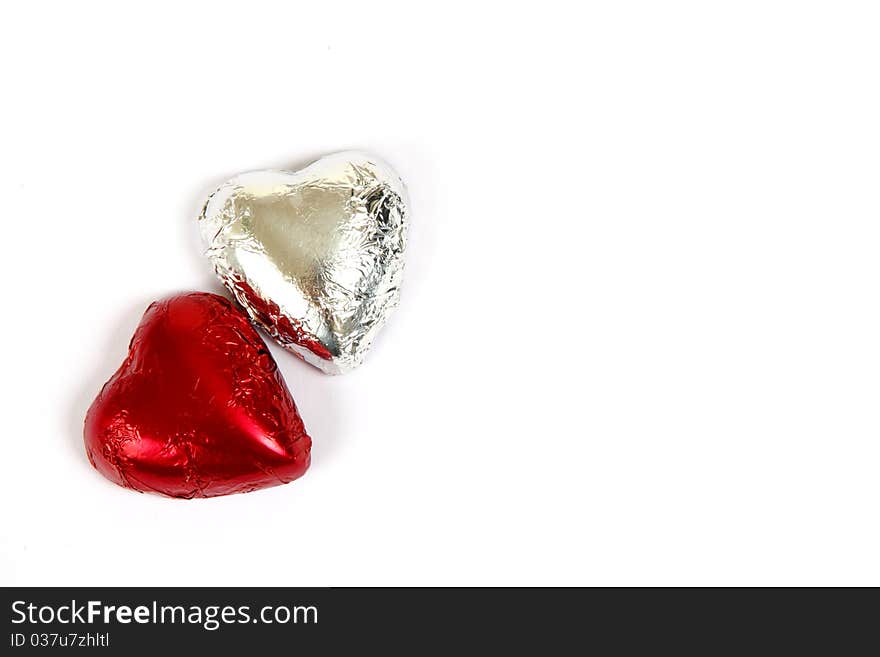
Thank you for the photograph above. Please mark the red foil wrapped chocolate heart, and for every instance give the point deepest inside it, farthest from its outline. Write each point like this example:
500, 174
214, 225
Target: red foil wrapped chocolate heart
198, 408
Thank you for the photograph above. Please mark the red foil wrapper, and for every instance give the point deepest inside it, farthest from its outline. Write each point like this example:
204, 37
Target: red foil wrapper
198, 408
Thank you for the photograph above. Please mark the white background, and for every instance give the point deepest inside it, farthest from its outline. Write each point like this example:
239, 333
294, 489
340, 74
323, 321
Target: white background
639, 339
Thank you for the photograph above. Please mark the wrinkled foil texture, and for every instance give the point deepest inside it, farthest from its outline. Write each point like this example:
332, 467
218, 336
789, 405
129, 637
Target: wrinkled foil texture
315, 256
198, 408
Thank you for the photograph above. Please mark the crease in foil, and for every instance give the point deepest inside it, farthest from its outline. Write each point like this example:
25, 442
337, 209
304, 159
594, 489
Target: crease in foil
315, 256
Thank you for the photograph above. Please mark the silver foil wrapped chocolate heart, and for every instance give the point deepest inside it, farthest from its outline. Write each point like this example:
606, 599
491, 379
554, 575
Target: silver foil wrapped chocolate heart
314, 256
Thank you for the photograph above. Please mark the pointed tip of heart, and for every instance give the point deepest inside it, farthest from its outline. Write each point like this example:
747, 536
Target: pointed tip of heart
198, 408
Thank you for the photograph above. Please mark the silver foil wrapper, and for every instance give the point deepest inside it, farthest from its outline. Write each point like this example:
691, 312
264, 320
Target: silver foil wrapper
314, 256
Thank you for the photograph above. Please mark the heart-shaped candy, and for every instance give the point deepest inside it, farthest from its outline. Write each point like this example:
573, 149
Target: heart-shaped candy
315, 257
198, 408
